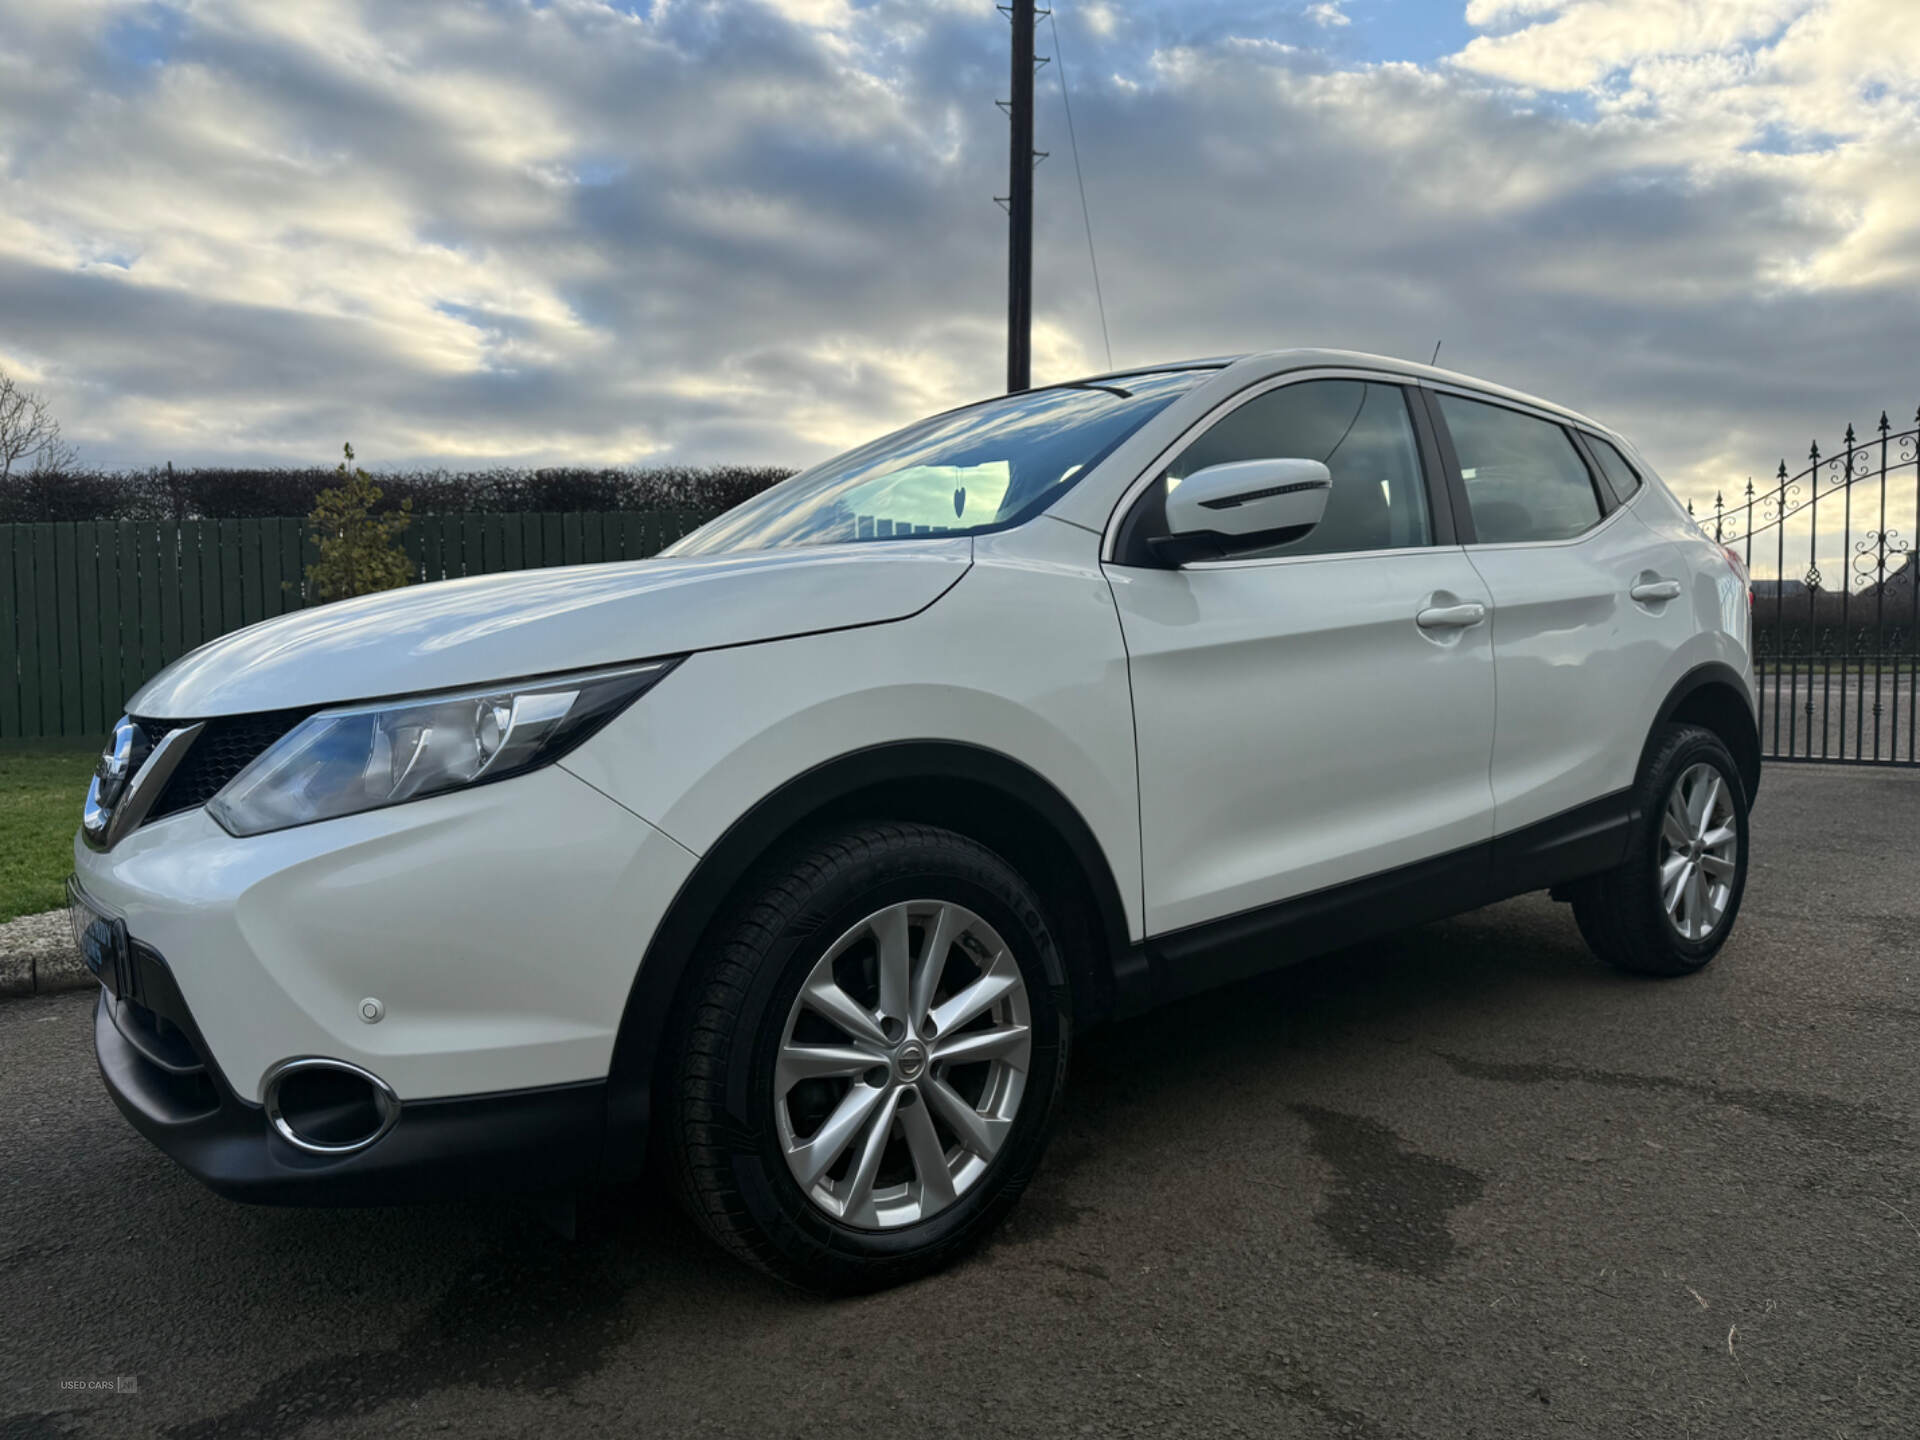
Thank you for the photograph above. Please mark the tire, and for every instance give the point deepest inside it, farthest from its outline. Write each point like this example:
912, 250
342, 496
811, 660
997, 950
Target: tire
1623, 913
744, 1135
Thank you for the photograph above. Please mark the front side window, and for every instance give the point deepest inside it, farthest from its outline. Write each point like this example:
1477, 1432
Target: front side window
1620, 475
1524, 478
982, 468
1359, 430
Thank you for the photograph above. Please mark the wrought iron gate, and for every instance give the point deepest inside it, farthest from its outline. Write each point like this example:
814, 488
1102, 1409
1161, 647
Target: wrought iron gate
1836, 600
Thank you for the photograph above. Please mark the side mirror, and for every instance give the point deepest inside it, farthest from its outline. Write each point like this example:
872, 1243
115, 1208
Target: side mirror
1243, 506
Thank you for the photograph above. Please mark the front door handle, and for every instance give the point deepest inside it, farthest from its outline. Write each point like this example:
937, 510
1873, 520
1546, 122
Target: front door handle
1652, 592
1451, 617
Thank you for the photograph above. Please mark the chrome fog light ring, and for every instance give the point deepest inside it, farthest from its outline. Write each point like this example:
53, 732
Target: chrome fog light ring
380, 1095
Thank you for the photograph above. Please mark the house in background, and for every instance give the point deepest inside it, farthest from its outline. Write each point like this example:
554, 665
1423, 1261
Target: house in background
1902, 580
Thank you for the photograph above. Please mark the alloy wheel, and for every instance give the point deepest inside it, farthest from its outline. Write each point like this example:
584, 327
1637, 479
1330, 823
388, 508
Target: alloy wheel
902, 1064
1699, 851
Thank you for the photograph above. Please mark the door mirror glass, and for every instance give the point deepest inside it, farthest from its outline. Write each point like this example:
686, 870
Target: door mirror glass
1245, 502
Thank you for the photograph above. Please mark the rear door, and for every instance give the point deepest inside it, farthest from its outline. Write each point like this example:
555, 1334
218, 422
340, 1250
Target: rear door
1587, 605
1320, 711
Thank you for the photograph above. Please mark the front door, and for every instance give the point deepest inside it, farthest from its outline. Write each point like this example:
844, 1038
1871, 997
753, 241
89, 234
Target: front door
1317, 712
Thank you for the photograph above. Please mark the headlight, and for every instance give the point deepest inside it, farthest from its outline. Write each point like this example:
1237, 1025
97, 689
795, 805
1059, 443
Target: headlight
362, 757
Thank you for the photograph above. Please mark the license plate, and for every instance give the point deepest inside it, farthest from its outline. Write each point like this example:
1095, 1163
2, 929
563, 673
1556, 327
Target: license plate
101, 940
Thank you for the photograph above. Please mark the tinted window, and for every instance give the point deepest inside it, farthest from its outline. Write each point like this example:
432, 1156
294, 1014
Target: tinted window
1360, 431
1525, 480
1622, 476
979, 468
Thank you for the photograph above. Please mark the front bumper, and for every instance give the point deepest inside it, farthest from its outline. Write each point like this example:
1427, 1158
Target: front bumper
156, 1067
499, 929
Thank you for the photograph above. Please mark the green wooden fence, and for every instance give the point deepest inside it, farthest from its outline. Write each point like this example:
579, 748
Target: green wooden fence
90, 609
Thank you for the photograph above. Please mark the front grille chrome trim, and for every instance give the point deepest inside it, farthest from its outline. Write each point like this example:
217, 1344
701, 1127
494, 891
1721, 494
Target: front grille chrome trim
149, 781
230, 743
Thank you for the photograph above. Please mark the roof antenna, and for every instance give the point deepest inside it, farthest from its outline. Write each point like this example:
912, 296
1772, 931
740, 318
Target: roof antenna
1436, 352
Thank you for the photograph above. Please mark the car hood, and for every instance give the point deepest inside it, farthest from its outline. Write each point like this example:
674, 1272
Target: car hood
534, 622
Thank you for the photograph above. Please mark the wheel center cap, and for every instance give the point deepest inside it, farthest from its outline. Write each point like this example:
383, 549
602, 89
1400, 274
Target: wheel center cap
909, 1061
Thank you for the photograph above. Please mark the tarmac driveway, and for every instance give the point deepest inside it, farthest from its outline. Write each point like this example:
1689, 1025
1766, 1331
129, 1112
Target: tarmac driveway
1462, 1183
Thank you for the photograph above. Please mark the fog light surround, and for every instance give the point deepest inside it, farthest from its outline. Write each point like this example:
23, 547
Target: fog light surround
328, 1107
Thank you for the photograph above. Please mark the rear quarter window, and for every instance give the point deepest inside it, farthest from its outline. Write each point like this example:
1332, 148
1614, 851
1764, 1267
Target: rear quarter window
1619, 472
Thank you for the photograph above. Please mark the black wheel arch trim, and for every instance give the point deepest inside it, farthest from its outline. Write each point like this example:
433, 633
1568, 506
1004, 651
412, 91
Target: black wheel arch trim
1745, 746
818, 792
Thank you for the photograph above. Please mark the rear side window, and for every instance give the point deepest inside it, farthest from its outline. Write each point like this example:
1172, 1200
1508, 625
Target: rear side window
1524, 478
1622, 476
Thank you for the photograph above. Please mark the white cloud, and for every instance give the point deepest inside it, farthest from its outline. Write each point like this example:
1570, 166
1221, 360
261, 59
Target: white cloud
1487, 14
1580, 42
1098, 17
1328, 14
757, 231
1806, 94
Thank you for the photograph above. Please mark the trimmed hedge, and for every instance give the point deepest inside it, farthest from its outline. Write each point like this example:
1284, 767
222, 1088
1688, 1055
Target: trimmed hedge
224, 493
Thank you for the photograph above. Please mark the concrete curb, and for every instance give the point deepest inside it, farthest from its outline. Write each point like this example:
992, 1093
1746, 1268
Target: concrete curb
37, 957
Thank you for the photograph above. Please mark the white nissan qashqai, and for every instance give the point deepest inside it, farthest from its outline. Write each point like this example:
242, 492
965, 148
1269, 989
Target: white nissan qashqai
801, 851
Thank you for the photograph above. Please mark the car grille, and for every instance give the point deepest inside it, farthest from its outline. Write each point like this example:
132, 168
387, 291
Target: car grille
225, 748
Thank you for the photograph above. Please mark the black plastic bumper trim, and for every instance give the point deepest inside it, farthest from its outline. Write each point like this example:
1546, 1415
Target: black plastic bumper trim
526, 1141
170, 1053
1574, 844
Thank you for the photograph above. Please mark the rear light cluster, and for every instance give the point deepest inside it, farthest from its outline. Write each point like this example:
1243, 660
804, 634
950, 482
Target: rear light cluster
1740, 569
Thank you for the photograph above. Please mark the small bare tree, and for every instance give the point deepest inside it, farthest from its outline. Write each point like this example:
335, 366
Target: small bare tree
29, 435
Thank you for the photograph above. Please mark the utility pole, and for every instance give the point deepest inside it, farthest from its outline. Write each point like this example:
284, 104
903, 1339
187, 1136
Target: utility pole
1020, 199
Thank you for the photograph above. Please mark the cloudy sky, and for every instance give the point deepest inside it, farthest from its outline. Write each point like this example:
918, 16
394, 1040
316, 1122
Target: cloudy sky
762, 230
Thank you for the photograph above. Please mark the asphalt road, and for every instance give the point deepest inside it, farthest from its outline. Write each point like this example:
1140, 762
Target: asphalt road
1464, 1183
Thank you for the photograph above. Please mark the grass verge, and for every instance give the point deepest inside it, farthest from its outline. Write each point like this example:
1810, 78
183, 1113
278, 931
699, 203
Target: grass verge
40, 795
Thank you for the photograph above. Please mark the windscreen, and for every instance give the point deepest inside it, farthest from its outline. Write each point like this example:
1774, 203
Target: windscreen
982, 468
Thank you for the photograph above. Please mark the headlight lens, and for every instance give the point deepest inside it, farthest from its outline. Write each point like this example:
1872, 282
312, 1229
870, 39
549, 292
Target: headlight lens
340, 762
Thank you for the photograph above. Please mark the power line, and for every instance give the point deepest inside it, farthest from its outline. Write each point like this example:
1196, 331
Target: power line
1086, 215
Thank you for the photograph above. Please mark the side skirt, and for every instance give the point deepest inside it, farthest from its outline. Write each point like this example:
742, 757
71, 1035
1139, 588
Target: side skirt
1572, 845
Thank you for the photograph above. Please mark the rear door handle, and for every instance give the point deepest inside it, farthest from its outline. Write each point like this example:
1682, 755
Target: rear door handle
1649, 592
1451, 617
